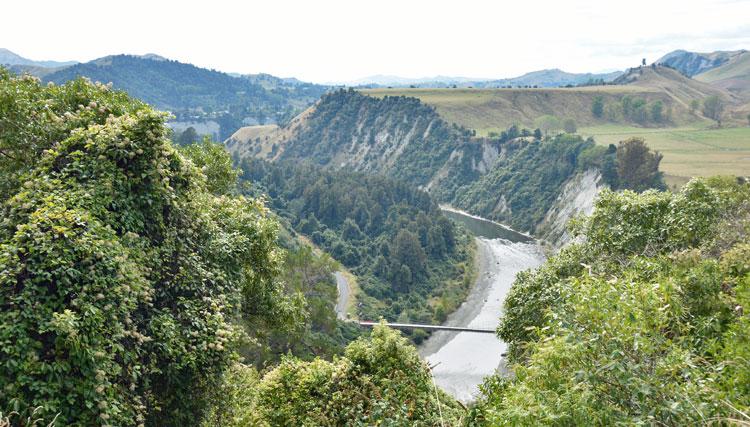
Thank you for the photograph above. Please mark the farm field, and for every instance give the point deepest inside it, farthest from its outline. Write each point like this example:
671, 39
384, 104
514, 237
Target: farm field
688, 151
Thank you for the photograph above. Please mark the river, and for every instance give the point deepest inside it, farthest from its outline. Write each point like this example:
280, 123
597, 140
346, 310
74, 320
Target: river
461, 360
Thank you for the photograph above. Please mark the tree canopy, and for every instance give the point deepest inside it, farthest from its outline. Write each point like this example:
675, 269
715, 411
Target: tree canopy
128, 276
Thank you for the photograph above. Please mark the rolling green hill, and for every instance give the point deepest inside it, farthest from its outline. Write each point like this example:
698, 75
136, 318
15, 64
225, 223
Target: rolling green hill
198, 95
694, 63
733, 76
486, 110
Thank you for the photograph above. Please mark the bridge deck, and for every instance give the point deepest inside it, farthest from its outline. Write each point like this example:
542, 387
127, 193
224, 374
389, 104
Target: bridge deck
429, 327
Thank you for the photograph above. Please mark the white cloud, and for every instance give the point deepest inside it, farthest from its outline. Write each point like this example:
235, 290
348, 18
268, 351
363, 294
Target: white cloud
344, 40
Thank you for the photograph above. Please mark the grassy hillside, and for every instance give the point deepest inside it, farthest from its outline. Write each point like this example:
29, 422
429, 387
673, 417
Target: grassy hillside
733, 76
487, 110
667, 80
688, 151
693, 63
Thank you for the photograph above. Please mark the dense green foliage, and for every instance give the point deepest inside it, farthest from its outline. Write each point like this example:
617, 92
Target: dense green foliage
378, 381
643, 323
412, 262
194, 93
34, 118
125, 282
307, 272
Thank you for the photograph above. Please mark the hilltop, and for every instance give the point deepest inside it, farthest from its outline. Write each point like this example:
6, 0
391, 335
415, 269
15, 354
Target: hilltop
679, 88
693, 63
494, 109
488, 110
733, 75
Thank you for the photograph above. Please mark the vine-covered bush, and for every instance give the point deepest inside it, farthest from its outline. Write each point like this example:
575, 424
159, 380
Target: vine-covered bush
122, 276
644, 322
378, 381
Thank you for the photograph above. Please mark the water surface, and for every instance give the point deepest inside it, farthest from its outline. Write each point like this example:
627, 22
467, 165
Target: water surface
461, 360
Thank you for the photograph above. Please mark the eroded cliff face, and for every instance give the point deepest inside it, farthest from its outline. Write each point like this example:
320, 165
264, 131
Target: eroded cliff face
576, 198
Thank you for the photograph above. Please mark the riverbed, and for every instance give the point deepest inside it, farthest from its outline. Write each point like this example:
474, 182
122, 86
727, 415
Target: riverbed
461, 360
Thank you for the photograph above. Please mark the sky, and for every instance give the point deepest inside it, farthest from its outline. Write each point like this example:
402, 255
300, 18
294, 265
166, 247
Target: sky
341, 41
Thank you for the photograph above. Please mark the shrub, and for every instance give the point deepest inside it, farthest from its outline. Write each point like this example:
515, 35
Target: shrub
122, 274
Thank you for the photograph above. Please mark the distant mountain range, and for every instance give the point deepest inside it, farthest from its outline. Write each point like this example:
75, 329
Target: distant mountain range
212, 102
219, 103
542, 78
552, 78
694, 63
174, 85
9, 58
727, 70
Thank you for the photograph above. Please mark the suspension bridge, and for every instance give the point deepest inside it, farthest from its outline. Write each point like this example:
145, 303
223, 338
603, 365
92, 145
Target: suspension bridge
427, 327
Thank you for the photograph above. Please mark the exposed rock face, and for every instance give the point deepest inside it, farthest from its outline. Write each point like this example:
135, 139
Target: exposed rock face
577, 197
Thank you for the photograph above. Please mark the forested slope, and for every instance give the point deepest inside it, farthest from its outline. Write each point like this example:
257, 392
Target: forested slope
412, 263
195, 94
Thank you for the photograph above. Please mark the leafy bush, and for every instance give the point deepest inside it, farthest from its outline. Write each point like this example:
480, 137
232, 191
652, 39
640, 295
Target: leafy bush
123, 276
641, 323
379, 381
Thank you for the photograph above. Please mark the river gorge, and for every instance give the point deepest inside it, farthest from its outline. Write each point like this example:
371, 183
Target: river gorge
461, 360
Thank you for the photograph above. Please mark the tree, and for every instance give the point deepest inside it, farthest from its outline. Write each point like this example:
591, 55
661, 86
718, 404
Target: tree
537, 133
188, 136
406, 250
694, 105
637, 166
713, 107
569, 125
648, 293
350, 230
748, 119
378, 381
547, 124
656, 110
215, 163
597, 106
